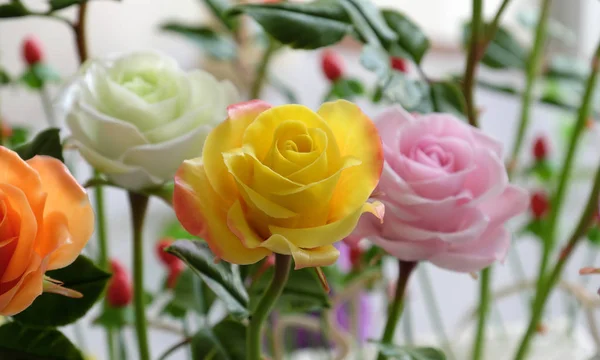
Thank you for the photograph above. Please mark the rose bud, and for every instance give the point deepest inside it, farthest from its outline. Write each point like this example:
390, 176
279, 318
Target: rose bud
120, 292
539, 204
174, 271
32, 51
167, 259
540, 148
355, 255
399, 64
332, 65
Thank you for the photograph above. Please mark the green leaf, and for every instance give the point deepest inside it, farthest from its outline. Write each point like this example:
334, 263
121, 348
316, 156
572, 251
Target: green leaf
219, 46
175, 231
535, 227
300, 25
411, 42
411, 352
567, 67
19, 136
52, 310
222, 278
113, 318
219, 9
14, 9
542, 170
226, 341
63, 4
45, 143
368, 20
503, 52
376, 59
38, 75
302, 292
19, 342
189, 294
4, 77
346, 89
410, 94
593, 235
447, 98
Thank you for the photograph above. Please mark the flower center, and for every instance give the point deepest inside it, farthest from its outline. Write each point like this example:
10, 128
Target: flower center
432, 155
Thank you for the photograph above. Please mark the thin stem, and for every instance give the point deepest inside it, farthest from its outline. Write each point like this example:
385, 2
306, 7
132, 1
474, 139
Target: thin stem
484, 307
139, 204
534, 63
544, 287
433, 311
174, 348
554, 277
474, 49
266, 303
80, 34
261, 72
395, 312
47, 105
490, 33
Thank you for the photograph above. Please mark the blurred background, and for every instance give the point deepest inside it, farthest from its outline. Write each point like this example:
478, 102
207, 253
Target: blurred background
118, 26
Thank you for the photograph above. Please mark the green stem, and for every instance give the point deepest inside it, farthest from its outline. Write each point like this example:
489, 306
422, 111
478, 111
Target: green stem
261, 72
433, 310
79, 30
474, 49
264, 306
395, 312
139, 204
544, 287
490, 33
534, 63
484, 308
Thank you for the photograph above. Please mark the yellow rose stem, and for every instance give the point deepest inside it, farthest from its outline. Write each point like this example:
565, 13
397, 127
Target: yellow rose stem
546, 282
397, 306
138, 204
264, 306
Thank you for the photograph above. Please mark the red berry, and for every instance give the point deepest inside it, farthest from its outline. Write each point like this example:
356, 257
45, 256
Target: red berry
32, 51
332, 65
174, 272
355, 255
540, 148
166, 258
399, 64
539, 204
120, 291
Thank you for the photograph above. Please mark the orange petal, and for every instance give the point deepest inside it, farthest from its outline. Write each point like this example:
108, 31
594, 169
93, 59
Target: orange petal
26, 290
66, 197
356, 136
226, 136
18, 173
203, 213
28, 229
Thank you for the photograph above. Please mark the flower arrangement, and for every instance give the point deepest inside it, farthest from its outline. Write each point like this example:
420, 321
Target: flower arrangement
284, 218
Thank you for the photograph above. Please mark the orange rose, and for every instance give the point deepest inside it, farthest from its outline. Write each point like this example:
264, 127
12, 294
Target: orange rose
45, 221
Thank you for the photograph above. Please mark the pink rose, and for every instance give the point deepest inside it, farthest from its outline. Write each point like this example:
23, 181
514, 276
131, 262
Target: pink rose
446, 193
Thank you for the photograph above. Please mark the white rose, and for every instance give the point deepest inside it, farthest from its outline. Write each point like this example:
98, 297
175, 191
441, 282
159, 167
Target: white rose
136, 118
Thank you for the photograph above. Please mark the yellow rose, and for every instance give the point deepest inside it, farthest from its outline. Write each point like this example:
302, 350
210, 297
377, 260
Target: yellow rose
283, 180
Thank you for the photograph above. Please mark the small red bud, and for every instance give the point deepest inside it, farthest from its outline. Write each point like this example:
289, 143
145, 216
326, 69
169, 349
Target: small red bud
174, 271
539, 204
541, 329
120, 291
332, 65
32, 51
540, 148
355, 255
117, 268
399, 64
167, 259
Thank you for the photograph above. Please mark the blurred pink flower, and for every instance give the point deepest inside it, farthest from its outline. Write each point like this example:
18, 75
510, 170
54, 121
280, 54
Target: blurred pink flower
446, 193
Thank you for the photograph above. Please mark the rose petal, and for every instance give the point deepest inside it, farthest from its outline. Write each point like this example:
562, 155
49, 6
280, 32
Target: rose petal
203, 213
410, 250
389, 123
512, 202
319, 256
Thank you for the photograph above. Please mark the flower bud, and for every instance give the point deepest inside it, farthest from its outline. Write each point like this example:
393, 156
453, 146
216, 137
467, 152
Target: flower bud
332, 65
539, 204
120, 292
32, 51
399, 64
167, 259
540, 148
174, 271
355, 255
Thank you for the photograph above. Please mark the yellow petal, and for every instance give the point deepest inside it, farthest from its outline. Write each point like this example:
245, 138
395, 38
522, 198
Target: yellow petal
318, 168
356, 136
319, 256
327, 234
203, 213
226, 136
260, 135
